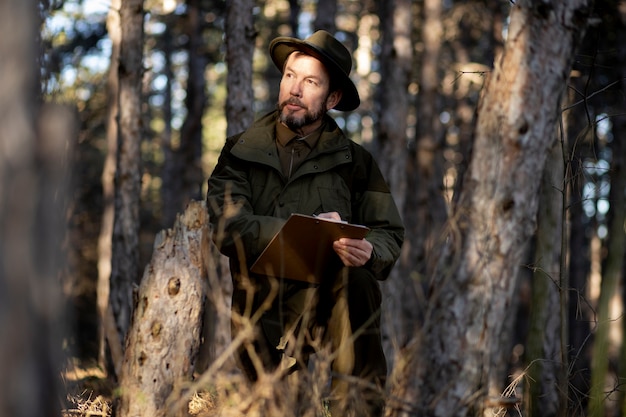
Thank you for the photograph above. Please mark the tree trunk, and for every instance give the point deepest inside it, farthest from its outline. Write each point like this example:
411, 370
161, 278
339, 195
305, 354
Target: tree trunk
620, 131
164, 339
33, 191
396, 59
125, 242
611, 277
294, 16
170, 177
325, 16
184, 174
240, 41
579, 314
106, 330
474, 283
463, 84
425, 210
543, 352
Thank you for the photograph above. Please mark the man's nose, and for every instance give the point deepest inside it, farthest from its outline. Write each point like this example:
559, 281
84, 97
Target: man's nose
296, 88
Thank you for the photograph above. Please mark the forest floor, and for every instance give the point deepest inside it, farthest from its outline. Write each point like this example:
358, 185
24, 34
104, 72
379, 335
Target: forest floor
90, 392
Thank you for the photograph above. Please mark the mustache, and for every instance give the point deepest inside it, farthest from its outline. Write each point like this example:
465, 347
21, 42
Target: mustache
293, 101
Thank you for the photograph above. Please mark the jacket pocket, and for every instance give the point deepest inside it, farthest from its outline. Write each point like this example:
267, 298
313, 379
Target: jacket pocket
335, 199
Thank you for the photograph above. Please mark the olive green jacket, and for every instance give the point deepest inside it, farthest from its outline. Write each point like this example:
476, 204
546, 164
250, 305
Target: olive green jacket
249, 198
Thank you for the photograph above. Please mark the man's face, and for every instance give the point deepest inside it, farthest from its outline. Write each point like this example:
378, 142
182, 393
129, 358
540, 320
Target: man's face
304, 96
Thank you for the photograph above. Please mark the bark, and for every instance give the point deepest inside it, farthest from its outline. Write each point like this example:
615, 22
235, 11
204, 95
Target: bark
421, 197
170, 178
477, 272
425, 209
164, 339
396, 58
479, 27
543, 352
33, 196
125, 241
184, 174
216, 338
240, 41
106, 331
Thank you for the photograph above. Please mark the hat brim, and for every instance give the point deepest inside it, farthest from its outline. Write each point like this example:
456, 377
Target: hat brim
282, 47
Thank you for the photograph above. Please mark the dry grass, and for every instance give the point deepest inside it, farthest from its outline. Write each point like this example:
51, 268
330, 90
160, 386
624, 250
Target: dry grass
88, 391
202, 404
226, 393
229, 394
86, 406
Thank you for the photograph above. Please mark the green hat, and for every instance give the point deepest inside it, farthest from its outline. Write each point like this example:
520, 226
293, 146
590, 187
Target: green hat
335, 57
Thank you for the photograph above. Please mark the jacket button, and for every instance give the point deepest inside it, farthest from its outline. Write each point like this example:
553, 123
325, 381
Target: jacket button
315, 167
347, 156
281, 204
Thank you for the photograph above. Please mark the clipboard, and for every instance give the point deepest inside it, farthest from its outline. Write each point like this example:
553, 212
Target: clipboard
302, 249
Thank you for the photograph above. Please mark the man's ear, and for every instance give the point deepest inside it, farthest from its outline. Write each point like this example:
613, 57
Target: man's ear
333, 99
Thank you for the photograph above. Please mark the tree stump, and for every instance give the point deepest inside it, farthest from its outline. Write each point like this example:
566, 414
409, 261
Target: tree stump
163, 341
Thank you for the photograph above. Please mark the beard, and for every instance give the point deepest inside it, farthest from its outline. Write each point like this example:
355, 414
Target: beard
295, 123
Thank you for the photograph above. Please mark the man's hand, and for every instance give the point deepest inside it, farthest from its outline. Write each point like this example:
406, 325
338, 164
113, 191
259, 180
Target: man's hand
353, 252
331, 215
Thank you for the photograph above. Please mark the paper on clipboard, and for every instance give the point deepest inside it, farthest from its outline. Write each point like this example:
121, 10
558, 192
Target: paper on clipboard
302, 250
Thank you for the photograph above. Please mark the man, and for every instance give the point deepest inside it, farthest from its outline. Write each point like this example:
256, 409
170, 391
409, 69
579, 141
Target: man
297, 160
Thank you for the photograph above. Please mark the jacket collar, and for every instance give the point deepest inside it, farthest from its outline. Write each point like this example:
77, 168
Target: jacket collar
257, 142
284, 135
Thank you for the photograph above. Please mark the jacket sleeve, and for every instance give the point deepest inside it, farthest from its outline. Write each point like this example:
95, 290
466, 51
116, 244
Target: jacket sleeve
374, 206
236, 230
